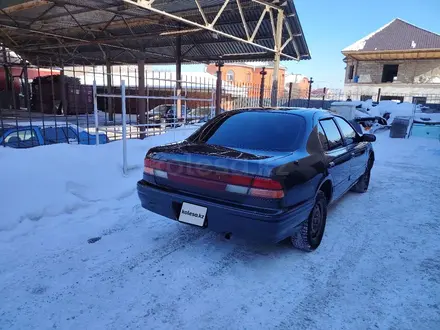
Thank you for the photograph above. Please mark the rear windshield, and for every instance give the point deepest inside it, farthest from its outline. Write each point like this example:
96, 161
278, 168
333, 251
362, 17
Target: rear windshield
254, 130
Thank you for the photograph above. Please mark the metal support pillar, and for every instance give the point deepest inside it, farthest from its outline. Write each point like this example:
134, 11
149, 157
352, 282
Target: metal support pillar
378, 94
63, 91
263, 74
141, 92
10, 81
218, 90
179, 76
111, 110
95, 111
9, 86
277, 58
124, 128
26, 86
323, 97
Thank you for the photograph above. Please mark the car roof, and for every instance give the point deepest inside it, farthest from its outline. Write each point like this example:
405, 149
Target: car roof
311, 114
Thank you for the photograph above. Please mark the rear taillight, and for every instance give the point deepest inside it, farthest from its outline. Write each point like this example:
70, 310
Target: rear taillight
215, 180
153, 167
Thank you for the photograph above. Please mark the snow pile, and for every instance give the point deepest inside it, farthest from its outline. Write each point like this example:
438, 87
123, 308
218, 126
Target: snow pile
395, 109
51, 180
378, 260
381, 109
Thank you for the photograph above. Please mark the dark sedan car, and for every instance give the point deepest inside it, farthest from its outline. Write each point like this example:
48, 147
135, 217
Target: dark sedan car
261, 174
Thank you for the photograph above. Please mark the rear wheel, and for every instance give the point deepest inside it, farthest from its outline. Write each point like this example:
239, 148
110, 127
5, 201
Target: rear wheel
364, 181
309, 237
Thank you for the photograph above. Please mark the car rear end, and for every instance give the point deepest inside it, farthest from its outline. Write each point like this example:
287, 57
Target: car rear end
225, 180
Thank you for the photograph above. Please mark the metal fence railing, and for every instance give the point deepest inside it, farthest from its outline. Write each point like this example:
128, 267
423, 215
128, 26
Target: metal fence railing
47, 105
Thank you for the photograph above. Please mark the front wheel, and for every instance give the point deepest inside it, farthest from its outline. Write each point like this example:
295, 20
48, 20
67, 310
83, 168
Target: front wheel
309, 237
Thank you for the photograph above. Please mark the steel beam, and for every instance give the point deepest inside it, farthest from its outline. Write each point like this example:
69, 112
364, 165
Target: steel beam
84, 42
201, 12
291, 35
269, 4
208, 28
243, 19
220, 12
257, 27
27, 5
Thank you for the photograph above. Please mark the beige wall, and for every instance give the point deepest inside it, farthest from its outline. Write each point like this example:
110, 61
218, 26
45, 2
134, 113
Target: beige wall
410, 71
430, 91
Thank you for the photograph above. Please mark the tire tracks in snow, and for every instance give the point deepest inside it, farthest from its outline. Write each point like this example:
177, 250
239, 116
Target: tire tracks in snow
318, 298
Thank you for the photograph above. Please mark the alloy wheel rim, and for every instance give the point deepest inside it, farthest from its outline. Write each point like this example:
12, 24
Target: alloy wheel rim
316, 222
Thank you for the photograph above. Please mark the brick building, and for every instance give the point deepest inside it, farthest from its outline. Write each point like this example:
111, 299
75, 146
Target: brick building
300, 85
401, 59
249, 74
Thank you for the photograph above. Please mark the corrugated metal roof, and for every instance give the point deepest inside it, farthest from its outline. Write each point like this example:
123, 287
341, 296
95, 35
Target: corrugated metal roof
87, 31
397, 35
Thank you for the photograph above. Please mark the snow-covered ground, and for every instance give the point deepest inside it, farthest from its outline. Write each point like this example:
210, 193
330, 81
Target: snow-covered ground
377, 268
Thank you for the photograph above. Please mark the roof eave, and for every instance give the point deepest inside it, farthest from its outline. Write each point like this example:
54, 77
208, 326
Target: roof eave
394, 54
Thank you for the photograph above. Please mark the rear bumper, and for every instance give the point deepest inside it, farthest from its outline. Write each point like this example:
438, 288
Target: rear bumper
221, 218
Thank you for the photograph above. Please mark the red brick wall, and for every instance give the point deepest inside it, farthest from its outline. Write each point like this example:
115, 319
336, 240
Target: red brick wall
248, 75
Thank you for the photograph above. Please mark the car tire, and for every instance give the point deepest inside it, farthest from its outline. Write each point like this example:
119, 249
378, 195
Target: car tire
363, 182
309, 237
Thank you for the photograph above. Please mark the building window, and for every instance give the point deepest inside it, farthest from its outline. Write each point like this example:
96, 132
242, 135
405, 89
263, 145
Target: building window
248, 77
366, 97
419, 100
351, 72
389, 73
392, 98
230, 75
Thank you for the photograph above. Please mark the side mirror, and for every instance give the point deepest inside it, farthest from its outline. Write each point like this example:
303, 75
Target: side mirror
369, 138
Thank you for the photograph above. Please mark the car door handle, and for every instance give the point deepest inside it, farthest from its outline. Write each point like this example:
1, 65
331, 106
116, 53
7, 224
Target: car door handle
331, 164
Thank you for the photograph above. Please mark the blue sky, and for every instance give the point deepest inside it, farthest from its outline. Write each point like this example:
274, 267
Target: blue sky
331, 25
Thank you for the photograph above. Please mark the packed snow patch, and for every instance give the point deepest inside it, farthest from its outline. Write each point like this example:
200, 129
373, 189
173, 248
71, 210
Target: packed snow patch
51, 180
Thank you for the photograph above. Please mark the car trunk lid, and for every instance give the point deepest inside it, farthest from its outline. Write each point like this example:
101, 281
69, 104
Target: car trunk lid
237, 175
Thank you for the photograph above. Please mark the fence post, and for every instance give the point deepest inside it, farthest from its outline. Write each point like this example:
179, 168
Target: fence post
212, 112
290, 93
323, 97
310, 92
95, 112
263, 73
378, 94
124, 128
141, 102
218, 90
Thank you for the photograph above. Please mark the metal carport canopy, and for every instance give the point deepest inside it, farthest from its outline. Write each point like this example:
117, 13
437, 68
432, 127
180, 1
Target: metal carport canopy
73, 32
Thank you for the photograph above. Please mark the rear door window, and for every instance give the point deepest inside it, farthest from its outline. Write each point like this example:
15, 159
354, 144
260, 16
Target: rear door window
332, 133
71, 134
54, 135
346, 129
323, 138
22, 139
257, 130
